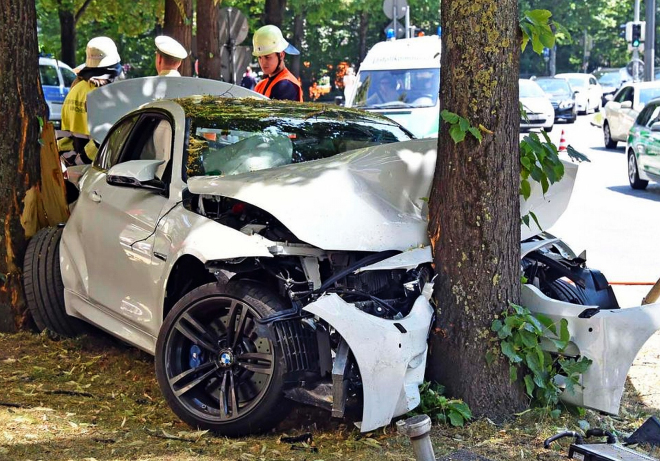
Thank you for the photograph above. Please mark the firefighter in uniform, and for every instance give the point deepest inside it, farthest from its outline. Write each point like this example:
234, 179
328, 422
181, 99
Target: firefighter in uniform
102, 66
169, 55
269, 48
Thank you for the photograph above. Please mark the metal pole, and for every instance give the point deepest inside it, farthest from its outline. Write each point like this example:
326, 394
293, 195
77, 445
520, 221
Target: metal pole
635, 50
418, 429
649, 42
585, 58
407, 22
395, 10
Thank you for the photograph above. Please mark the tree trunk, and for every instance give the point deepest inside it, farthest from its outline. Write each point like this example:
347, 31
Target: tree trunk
362, 36
22, 103
208, 42
178, 25
298, 36
274, 12
474, 219
68, 37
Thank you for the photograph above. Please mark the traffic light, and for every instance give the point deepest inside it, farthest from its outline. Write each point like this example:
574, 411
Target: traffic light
636, 34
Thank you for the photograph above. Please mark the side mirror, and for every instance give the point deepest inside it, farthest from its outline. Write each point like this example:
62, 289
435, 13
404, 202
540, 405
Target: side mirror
136, 173
655, 126
626, 105
609, 97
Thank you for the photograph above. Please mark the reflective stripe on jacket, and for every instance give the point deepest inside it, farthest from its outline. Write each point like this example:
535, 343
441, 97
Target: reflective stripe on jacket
265, 88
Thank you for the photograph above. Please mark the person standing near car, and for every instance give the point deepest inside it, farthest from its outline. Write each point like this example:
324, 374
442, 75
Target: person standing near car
102, 66
270, 48
248, 81
169, 56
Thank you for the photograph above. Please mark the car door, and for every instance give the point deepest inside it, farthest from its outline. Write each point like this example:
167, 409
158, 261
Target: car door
614, 112
119, 233
649, 155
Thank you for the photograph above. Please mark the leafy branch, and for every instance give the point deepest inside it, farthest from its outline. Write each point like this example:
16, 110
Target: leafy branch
538, 28
520, 334
440, 408
459, 127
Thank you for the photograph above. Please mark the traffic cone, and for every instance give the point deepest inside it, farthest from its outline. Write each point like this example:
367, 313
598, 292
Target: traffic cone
562, 142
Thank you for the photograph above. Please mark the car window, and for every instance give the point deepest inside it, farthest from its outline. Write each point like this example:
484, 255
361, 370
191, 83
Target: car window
649, 115
530, 89
623, 95
646, 94
409, 88
233, 145
151, 140
577, 83
48, 75
68, 76
554, 86
114, 143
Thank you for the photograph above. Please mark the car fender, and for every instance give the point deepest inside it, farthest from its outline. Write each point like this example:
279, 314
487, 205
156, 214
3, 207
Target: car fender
390, 354
610, 338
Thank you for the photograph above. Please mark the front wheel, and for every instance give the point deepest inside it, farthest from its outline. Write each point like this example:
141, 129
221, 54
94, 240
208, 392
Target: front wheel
607, 137
633, 174
216, 368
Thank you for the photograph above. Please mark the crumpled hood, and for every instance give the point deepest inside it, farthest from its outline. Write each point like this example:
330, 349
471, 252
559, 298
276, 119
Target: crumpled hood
371, 199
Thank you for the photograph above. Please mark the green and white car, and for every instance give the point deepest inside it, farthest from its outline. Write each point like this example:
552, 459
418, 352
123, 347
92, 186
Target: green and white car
643, 147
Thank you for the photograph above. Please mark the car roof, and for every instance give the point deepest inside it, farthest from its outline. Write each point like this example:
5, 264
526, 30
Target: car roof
573, 74
654, 84
53, 62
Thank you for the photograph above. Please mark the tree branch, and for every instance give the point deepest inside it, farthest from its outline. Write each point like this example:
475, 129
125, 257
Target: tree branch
81, 11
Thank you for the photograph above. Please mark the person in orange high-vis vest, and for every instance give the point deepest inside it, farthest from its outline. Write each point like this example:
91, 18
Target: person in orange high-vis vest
269, 48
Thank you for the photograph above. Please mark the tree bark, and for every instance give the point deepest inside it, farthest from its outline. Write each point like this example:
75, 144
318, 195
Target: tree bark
298, 36
274, 12
22, 103
474, 218
362, 36
68, 37
178, 25
208, 42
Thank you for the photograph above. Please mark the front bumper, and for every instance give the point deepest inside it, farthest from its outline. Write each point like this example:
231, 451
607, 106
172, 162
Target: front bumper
390, 354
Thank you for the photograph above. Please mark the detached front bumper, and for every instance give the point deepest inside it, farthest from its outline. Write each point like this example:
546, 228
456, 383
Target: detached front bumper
610, 338
390, 354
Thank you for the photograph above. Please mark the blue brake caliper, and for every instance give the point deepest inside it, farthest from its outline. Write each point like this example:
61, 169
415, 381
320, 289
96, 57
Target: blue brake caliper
195, 356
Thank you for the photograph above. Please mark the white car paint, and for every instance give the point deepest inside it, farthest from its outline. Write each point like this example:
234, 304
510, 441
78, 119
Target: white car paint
621, 112
589, 92
539, 112
374, 198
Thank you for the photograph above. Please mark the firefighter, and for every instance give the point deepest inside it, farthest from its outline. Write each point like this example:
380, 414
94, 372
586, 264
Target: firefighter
269, 48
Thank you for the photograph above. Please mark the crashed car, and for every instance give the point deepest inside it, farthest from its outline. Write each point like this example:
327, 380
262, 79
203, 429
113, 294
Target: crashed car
267, 252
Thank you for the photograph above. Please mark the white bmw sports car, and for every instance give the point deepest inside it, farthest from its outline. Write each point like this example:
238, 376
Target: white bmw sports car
268, 252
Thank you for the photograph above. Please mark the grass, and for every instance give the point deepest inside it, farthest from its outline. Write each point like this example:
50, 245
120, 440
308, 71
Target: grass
91, 398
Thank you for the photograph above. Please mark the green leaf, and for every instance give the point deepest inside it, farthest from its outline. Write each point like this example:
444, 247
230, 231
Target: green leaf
531, 213
555, 414
449, 117
564, 335
509, 351
525, 189
538, 17
496, 325
490, 357
463, 124
463, 409
529, 339
476, 133
529, 385
456, 133
513, 373
456, 419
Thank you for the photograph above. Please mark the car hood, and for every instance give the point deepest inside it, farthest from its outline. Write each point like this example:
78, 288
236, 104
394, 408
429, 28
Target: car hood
538, 105
371, 199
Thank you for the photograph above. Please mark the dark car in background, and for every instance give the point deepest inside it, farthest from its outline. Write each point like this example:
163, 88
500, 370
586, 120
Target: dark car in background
611, 80
562, 97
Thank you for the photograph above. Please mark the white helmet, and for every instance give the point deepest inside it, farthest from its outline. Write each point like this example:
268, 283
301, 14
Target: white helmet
268, 40
101, 52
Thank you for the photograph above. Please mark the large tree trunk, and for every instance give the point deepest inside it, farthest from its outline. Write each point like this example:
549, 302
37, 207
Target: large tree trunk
178, 25
22, 103
362, 36
474, 219
68, 37
298, 36
274, 12
208, 42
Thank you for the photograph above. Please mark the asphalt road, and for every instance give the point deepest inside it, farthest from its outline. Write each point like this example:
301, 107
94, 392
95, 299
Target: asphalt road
617, 226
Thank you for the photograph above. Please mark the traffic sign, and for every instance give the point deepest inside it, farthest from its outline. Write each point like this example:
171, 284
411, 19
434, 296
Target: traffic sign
390, 7
636, 69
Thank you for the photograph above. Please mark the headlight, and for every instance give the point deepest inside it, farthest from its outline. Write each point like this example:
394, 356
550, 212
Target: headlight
566, 104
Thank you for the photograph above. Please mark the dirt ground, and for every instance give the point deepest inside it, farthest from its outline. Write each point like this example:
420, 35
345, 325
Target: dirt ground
94, 399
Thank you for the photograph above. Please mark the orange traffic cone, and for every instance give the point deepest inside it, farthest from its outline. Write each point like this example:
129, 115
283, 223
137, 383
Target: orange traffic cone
562, 142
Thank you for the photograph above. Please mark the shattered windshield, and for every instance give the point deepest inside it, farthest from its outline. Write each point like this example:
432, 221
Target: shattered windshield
233, 136
397, 88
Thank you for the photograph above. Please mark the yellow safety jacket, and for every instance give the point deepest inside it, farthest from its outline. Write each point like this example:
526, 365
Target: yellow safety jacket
75, 130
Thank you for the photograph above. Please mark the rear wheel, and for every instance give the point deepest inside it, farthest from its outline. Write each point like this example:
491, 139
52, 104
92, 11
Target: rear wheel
42, 282
217, 369
633, 173
607, 137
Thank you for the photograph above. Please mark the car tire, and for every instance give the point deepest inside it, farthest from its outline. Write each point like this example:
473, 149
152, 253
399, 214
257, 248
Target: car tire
548, 129
633, 173
238, 386
561, 290
43, 287
607, 137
